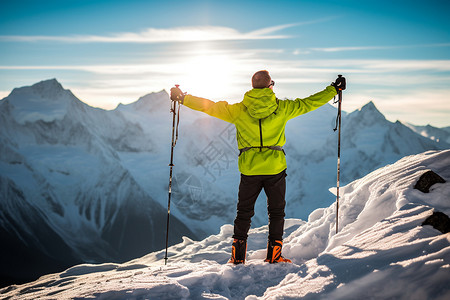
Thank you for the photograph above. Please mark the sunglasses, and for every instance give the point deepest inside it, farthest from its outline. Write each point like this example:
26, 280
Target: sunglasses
272, 83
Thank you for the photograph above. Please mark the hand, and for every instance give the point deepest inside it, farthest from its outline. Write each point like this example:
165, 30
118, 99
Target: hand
339, 84
176, 94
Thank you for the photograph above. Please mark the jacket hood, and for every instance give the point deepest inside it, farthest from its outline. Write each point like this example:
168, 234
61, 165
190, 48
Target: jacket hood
260, 103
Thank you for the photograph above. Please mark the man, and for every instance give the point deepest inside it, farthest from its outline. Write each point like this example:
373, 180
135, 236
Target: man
260, 121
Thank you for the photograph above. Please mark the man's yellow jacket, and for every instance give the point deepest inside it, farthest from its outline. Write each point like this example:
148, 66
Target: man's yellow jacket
260, 120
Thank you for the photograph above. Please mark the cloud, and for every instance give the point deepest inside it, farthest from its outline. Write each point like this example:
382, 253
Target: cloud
354, 66
365, 48
269, 30
340, 49
118, 69
376, 65
418, 107
161, 35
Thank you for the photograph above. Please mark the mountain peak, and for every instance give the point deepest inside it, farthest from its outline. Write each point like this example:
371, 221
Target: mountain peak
367, 115
149, 103
49, 89
370, 106
49, 82
46, 100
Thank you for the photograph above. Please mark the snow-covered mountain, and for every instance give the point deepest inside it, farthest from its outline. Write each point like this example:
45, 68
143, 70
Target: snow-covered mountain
65, 196
431, 132
382, 251
82, 184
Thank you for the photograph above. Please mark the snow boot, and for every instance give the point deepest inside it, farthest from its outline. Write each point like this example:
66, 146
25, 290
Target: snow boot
238, 252
274, 252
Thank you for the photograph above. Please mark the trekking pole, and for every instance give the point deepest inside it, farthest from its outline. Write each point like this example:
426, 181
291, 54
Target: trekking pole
175, 122
341, 85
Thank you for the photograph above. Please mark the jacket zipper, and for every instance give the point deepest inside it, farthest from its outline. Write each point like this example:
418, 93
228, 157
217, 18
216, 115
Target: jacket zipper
260, 136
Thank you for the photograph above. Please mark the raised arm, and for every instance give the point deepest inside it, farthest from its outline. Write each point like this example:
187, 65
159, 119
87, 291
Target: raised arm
221, 109
301, 106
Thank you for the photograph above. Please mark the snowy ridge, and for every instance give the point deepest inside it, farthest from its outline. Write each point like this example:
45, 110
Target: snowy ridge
433, 133
381, 251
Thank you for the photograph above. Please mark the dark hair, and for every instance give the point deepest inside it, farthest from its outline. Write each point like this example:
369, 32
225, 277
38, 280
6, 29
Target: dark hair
261, 79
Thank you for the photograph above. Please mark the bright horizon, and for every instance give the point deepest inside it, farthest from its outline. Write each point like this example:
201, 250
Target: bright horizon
109, 52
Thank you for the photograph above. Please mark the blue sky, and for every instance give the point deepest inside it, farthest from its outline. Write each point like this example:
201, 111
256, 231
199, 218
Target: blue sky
395, 53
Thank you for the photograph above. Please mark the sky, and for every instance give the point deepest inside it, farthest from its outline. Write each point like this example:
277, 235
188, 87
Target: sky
394, 53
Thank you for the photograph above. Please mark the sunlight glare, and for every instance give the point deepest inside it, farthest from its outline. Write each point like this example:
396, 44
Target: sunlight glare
209, 76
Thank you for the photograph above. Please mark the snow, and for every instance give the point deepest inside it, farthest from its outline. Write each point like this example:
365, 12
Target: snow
436, 134
381, 252
46, 101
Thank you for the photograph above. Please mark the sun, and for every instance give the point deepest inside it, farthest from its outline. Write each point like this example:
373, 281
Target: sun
210, 75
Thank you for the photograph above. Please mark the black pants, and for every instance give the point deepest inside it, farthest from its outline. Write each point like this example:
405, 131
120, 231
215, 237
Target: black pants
249, 189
